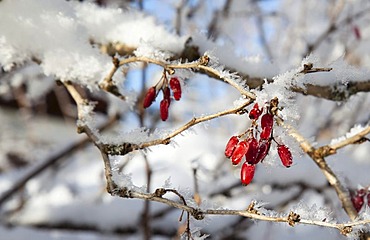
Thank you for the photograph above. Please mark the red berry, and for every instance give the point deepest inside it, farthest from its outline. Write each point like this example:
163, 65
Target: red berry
360, 192
247, 173
251, 154
255, 112
166, 93
368, 200
285, 155
230, 146
149, 97
267, 122
239, 152
263, 150
176, 88
163, 108
357, 202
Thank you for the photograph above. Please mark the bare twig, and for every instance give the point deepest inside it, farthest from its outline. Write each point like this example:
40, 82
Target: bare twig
201, 64
125, 148
50, 162
317, 156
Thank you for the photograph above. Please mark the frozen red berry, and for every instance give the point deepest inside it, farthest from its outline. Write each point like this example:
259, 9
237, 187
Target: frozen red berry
167, 93
247, 173
267, 122
239, 152
163, 108
357, 202
230, 146
176, 88
251, 154
255, 112
285, 155
263, 150
149, 97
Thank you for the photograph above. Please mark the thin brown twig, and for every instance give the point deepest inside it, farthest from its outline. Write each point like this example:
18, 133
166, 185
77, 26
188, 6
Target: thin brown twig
317, 156
201, 64
199, 214
124, 148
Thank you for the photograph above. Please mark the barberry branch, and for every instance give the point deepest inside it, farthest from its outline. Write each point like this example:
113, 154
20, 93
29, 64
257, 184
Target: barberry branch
358, 138
333, 92
251, 213
200, 65
316, 154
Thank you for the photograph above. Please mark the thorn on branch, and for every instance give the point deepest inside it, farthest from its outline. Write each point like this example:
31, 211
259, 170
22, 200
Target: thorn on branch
293, 218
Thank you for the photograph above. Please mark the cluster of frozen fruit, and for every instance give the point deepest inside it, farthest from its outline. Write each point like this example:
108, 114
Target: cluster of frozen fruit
254, 150
359, 197
165, 86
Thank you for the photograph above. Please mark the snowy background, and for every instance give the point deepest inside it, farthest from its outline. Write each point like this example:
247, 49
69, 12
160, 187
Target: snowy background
42, 41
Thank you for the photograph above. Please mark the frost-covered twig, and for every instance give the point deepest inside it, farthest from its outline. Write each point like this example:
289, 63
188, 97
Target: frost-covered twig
358, 138
122, 149
252, 213
83, 126
200, 64
334, 92
317, 155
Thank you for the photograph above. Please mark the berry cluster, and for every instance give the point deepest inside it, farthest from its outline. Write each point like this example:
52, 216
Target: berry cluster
359, 197
166, 87
255, 149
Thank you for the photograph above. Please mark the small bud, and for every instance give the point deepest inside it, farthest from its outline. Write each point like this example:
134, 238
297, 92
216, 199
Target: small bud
247, 173
230, 146
149, 97
285, 155
239, 152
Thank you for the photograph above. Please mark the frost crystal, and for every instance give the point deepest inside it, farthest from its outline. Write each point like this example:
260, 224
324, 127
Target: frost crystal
313, 212
355, 130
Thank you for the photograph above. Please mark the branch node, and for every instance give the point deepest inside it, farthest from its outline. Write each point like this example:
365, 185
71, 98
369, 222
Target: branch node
204, 60
325, 151
170, 71
346, 230
121, 149
251, 209
198, 214
80, 129
159, 192
115, 62
293, 218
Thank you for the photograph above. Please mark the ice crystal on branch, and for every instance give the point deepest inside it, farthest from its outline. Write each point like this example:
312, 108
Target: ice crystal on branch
352, 132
